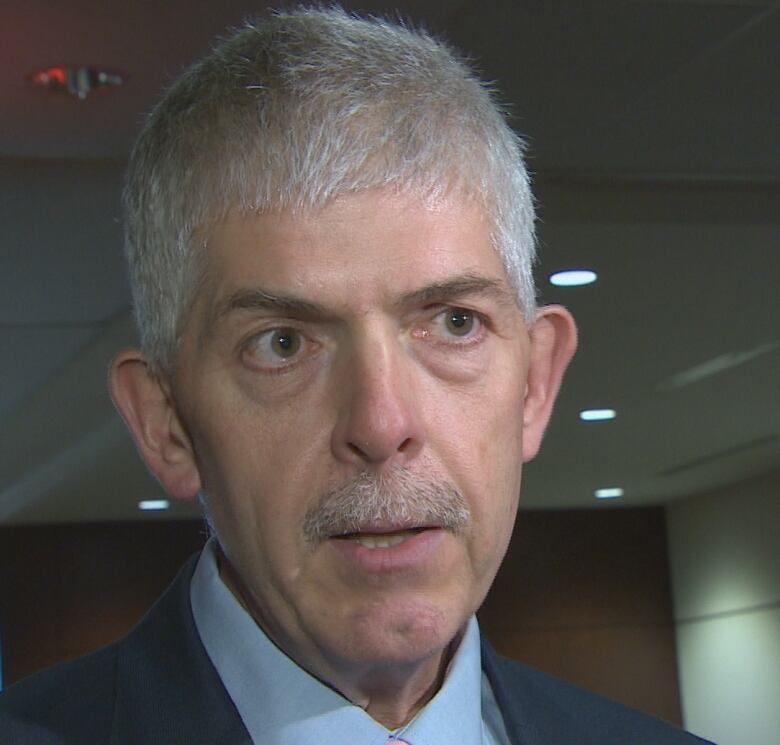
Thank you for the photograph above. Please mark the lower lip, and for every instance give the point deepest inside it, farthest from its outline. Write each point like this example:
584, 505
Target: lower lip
409, 554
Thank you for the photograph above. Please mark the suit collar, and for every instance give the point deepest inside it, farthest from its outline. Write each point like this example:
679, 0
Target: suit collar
166, 687
519, 730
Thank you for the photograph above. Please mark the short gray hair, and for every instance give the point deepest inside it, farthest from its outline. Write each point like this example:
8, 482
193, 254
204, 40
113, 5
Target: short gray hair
293, 111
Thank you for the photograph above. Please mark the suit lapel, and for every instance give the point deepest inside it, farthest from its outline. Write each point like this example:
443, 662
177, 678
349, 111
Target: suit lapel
167, 690
530, 717
520, 732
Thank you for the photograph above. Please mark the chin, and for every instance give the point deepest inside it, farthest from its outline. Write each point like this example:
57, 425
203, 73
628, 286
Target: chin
399, 633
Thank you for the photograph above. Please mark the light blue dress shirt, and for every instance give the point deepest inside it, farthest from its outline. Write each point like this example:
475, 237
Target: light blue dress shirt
281, 704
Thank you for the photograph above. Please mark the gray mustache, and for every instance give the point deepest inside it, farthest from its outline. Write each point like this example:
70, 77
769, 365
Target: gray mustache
398, 497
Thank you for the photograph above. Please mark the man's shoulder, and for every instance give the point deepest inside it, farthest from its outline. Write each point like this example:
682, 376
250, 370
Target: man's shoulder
69, 703
549, 710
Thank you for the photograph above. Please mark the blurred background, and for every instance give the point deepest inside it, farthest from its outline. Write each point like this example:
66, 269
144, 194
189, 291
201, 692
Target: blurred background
653, 131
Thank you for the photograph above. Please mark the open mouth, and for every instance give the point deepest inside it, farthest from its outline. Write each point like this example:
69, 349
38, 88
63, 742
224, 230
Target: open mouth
380, 540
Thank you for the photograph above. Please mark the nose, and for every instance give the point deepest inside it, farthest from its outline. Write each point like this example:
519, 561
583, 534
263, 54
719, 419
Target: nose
378, 423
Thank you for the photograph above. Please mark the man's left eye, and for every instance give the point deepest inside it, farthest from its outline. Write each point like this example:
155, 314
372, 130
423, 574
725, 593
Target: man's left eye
456, 322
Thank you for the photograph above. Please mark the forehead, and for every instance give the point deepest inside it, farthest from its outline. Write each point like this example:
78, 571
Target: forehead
358, 249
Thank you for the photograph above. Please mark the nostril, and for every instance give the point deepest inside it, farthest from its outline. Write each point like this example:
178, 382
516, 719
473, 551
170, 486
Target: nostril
355, 450
405, 445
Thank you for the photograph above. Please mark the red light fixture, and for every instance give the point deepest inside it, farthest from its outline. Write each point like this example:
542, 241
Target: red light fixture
76, 81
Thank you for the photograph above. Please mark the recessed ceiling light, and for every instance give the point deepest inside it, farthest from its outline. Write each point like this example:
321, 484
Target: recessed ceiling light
597, 415
154, 504
612, 492
573, 278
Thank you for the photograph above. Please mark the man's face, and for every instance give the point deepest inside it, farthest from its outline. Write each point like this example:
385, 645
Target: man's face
378, 336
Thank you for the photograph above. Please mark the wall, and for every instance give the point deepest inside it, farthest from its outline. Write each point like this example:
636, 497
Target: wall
66, 590
725, 561
585, 595
582, 594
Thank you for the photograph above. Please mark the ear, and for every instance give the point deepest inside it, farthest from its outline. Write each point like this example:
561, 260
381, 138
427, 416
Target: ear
553, 343
143, 400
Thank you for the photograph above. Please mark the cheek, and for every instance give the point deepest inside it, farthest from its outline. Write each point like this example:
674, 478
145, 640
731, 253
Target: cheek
249, 478
490, 429
254, 446
483, 456
256, 513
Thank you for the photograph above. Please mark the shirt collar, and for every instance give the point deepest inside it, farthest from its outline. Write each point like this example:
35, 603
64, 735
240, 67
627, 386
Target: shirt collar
280, 702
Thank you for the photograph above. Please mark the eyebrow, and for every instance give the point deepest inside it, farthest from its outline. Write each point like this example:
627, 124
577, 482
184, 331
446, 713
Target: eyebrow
262, 300
452, 289
256, 299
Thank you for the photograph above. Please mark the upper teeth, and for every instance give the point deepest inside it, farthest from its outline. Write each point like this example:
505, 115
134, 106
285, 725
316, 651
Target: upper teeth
384, 540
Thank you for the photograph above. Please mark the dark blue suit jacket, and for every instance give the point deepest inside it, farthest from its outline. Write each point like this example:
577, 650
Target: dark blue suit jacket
157, 686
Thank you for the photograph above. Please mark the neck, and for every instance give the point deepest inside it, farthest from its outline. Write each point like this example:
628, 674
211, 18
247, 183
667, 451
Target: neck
393, 695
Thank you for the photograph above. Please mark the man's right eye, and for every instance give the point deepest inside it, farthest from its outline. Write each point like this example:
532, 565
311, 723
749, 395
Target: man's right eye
275, 347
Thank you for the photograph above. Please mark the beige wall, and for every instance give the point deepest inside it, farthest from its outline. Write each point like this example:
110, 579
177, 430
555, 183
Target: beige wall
725, 563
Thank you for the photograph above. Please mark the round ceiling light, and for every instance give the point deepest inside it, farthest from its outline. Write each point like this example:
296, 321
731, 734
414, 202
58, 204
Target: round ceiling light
597, 415
612, 492
151, 505
573, 278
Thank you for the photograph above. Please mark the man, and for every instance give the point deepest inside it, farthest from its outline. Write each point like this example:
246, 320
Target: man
330, 236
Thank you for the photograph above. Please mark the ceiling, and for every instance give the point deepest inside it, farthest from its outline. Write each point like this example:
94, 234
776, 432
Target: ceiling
654, 134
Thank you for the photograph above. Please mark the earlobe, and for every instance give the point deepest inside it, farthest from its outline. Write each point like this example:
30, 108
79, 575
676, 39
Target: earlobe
144, 402
553, 343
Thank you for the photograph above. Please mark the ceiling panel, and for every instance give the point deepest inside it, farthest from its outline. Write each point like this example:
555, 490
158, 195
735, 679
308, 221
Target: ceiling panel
570, 71
719, 114
61, 244
31, 355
